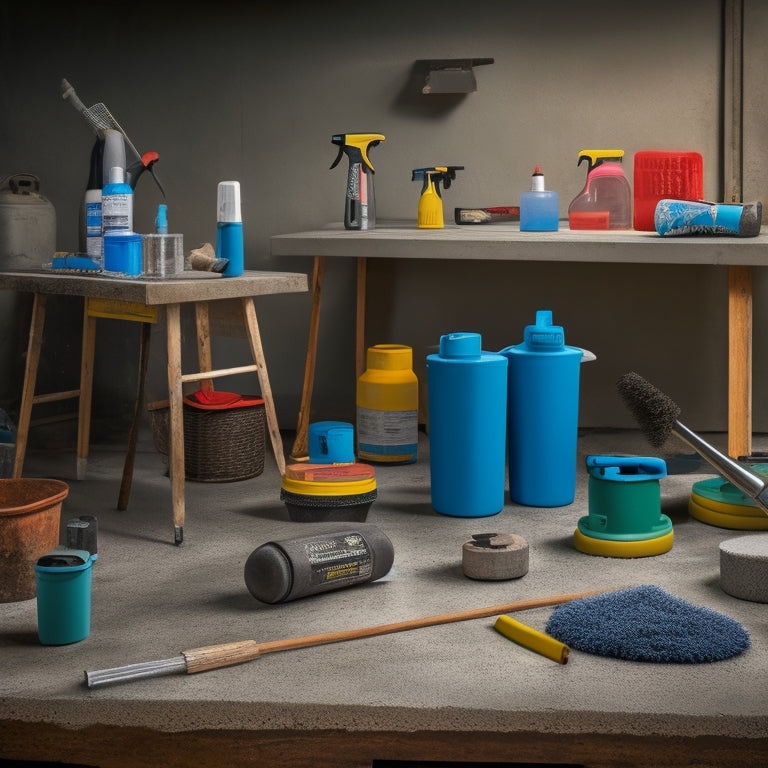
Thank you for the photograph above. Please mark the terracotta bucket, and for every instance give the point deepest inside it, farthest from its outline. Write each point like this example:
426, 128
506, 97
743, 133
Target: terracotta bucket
30, 519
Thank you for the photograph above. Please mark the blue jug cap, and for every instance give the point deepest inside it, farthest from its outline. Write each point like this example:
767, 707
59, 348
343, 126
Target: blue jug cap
544, 336
461, 344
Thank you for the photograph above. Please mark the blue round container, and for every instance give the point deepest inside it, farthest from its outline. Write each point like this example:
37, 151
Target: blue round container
63, 579
467, 399
331, 442
123, 253
543, 415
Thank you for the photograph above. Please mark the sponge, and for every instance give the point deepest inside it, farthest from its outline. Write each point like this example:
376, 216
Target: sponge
646, 623
744, 567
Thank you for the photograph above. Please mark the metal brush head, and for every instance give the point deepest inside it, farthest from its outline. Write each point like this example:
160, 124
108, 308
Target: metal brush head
654, 411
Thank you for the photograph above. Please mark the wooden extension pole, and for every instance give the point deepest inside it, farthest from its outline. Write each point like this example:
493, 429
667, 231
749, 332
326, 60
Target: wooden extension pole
228, 654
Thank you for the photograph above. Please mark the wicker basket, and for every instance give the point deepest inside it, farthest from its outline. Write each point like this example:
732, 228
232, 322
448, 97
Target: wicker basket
220, 446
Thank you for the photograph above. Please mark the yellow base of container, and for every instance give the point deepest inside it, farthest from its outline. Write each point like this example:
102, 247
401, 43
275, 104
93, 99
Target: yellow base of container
608, 548
736, 516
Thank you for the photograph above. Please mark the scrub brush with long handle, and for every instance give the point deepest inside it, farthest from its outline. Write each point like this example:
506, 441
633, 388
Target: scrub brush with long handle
98, 116
657, 415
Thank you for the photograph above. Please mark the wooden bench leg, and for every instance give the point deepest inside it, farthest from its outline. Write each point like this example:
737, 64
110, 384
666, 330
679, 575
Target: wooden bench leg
204, 355
130, 456
254, 337
86, 392
300, 450
30, 377
176, 431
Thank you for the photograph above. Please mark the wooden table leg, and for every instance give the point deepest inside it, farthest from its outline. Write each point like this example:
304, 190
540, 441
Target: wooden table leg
204, 355
130, 456
300, 450
86, 392
254, 337
360, 353
30, 377
739, 361
176, 431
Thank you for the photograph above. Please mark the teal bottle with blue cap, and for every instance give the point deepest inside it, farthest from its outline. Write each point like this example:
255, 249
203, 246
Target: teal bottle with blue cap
467, 400
543, 415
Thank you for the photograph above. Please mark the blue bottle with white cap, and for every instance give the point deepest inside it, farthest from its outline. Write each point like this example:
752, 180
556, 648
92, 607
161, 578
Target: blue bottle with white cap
467, 399
543, 415
229, 237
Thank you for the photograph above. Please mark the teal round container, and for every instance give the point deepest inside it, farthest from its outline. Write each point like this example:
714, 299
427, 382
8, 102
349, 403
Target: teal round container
625, 499
63, 578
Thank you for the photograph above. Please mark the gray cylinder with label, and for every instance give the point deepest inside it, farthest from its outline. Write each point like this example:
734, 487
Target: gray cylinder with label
340, 556
27, 241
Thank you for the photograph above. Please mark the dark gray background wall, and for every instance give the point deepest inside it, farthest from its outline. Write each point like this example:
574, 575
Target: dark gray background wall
241, 91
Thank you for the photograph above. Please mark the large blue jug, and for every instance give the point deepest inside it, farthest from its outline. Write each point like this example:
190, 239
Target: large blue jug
543, 415
467, 399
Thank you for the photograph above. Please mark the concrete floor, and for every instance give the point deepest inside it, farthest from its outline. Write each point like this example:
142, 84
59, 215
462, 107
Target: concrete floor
151, 600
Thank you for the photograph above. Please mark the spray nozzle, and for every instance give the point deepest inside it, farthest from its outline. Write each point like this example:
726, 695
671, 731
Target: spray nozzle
435, 174
161, 220
145, 163
597, 157
356, 146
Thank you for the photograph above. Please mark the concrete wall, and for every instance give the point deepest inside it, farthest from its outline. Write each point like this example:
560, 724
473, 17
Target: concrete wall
238, 91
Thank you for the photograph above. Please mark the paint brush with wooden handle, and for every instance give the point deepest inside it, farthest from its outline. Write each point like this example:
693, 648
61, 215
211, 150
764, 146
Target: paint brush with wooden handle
228, 654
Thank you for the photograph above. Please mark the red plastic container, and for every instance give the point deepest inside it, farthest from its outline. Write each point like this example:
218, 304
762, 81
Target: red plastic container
663, 174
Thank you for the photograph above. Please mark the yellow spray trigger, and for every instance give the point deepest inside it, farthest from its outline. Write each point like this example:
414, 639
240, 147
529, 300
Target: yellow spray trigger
598, 156
361, 141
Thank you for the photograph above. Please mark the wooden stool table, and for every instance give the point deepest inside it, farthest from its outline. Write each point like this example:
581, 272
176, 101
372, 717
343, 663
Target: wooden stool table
139, 300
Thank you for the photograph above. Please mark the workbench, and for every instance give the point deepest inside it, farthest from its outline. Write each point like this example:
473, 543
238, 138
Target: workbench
139, 299
505, 242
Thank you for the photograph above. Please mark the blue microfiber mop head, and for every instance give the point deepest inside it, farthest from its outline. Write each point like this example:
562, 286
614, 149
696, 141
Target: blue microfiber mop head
646, 623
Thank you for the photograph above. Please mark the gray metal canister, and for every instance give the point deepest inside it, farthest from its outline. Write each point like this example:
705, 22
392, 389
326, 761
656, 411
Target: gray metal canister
27, 241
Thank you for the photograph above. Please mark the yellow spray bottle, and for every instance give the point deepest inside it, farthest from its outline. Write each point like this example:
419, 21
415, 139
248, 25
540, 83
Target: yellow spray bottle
430, 215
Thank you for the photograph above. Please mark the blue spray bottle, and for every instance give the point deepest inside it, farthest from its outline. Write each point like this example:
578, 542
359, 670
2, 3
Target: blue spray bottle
467, 392
229, 237
543, 415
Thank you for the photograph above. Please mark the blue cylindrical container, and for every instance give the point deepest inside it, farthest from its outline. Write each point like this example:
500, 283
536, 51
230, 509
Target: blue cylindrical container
543, 415
467, 399
229, 234
63, 579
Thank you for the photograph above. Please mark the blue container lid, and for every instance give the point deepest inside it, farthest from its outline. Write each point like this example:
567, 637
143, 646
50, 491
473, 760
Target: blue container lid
465, 347
626, 469
461, 344
544, 336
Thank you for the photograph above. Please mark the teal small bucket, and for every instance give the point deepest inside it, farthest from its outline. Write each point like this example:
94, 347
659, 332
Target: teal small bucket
63, 578
625, 499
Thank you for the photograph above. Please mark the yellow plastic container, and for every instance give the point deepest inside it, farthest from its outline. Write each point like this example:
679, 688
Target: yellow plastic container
388, 406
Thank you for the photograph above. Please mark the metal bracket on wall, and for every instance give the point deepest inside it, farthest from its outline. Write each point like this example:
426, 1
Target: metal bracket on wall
447, 75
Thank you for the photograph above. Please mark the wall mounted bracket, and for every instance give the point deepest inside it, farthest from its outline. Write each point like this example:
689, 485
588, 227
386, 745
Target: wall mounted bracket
448, 75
